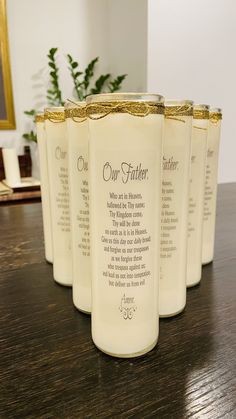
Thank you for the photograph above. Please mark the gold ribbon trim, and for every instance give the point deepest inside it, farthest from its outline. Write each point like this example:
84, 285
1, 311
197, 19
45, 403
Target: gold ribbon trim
39, 118
201, 114
175, 111
79, 112
98, 110
175, 119
215, 117
55, 116
195, 126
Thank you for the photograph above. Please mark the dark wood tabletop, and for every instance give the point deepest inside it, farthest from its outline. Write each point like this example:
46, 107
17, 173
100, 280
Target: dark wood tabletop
49, 367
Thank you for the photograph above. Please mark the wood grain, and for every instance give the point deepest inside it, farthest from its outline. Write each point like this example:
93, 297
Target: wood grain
51, 369
20, 196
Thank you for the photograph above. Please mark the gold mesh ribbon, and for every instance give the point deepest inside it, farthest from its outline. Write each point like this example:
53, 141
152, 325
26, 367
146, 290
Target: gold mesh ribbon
78, 112
39, 118
100, 110
57, 116
215, 117
176, 111
201, 114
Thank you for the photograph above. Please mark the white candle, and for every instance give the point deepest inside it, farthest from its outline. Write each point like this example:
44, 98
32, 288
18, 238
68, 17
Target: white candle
125, 165
77, 131
175, 192
196, 194
55, 126
11, 166
44, 182
211, 185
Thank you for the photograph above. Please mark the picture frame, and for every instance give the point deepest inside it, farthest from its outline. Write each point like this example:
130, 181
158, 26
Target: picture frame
7, 114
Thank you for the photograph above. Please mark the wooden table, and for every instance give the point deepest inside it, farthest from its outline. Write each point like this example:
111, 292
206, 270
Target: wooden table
50, 367
29, 196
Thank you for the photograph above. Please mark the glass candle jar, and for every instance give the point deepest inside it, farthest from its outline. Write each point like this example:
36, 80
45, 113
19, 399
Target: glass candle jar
174, 214
44, 182
77, 132
55, 126
125, 177
209, 217
196, 194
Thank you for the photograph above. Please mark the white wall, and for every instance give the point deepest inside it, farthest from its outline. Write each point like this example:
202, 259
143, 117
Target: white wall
127, 42
180, 48
34, 27
83, 28
191, 54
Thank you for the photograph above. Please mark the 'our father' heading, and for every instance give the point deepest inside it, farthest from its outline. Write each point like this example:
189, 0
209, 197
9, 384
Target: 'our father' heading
126, 173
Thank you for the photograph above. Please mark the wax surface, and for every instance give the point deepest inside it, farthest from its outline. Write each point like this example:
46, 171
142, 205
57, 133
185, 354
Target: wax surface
79, 210
125, 174
174, 216
196, 201
45, 193
210, 192
59, 192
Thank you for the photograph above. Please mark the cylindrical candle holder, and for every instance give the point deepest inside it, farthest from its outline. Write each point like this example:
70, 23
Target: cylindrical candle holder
210, 196
77, 133
174, 215
125, 153
57, 152
11, 166
44, 185
196, 193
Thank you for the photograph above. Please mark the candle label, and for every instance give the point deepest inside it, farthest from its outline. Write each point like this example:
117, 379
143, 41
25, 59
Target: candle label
193, 195
210, 195
196, 201
209, 184
174, 215
82, 216
126, 189
61, 189
196, 194
173, 170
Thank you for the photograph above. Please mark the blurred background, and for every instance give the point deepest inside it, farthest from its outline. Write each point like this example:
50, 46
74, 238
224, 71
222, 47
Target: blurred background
179, 48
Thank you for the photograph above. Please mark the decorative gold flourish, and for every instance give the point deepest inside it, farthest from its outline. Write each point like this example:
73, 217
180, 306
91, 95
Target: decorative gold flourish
181, 110
100, 110
201, 114
57, 116
39, 117
215, 117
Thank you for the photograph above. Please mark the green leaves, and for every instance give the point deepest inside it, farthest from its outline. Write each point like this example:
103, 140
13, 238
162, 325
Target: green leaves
54, 95
115, 84
99, 84
82, 85
73, 66
51, 53
30, 113
82, 81
30, 136
88, 73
